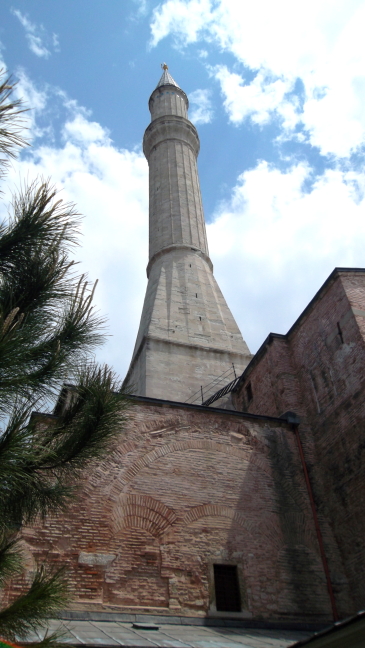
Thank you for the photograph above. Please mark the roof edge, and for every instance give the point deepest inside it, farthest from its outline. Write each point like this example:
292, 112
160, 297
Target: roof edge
285, 336
160, 402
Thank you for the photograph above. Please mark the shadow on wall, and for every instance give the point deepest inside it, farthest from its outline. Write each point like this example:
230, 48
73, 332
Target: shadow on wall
275, 550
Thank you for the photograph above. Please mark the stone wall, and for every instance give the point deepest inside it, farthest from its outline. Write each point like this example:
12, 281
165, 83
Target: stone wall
186, 488
317, 370
168, 100
175, 206
187, 335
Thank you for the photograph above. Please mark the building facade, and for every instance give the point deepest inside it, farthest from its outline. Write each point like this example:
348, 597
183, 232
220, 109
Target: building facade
317, 370
255, 512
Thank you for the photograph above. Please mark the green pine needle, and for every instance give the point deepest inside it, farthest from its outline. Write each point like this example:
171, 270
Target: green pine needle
48, 332
30, 611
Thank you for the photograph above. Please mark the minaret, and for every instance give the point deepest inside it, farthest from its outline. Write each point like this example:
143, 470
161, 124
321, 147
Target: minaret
187, 335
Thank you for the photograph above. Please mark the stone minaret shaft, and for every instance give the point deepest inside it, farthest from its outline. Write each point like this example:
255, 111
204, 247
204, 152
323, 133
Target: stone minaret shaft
187, 335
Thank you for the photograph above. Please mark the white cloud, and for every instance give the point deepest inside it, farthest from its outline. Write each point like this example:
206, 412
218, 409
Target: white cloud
110, 188
274, 243
143, 8
272, 240
319, 42
84, 131
33, 98
56, 42
35, 102
258, 99
184, 19
276, 238
36, 35
201, 111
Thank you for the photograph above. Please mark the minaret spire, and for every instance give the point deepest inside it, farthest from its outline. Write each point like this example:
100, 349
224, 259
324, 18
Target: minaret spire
166, 78
187, 335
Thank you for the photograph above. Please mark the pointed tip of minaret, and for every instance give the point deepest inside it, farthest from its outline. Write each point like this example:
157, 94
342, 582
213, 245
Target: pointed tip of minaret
166, 78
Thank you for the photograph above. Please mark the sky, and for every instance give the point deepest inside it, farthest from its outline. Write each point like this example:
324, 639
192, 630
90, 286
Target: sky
277, 92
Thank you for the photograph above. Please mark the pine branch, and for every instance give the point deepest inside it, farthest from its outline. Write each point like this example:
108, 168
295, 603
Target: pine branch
24, 491
38, 222
51, 640
48, 331
40, 464
31, 611
96, 415
11, 122
11, 562
47, 322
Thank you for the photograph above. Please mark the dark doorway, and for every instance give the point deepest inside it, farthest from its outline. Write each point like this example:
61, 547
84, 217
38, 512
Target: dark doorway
227, 592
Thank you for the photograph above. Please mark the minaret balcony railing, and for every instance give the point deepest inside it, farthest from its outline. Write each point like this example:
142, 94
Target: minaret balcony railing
171, 127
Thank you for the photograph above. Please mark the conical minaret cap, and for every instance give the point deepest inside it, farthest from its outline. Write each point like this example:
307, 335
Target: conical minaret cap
166, 78
168, 98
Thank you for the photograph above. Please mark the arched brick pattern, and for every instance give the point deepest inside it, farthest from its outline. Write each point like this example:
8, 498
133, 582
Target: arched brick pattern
269, 531
192, 444
214, 510
144, 512
103, 468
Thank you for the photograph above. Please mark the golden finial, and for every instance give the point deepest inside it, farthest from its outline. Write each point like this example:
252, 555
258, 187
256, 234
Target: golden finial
164, 66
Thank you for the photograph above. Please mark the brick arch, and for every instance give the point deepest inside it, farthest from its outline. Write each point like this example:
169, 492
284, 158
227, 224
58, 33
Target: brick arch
269, 530
143, 512
101, 473
192, 444
215, 510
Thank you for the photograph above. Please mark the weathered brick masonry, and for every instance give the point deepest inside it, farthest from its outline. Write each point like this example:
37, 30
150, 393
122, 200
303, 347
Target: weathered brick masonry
186, 488
317, 370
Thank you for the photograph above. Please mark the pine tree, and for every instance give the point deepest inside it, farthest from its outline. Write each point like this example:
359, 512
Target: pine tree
48, 332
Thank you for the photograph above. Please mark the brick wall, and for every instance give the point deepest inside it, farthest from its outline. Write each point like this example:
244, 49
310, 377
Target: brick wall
317, 370
186, 488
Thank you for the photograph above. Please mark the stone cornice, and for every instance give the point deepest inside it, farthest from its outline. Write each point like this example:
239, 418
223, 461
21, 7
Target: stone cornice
174, 248
171, 127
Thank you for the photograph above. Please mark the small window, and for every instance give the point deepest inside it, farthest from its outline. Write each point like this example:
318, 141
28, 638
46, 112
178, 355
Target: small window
249, 393
227, 592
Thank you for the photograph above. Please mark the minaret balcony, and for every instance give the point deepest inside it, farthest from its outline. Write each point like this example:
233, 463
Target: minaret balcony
170, 127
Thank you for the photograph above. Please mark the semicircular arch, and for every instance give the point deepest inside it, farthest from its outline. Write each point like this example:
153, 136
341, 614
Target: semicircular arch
269, 530
192, 444
215, 510
142, 511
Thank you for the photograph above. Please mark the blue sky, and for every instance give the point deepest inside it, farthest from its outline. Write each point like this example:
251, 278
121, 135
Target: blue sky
277, 93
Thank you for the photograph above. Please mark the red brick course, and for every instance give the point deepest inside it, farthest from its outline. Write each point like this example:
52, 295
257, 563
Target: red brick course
317, 370
187, 487
183, 489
